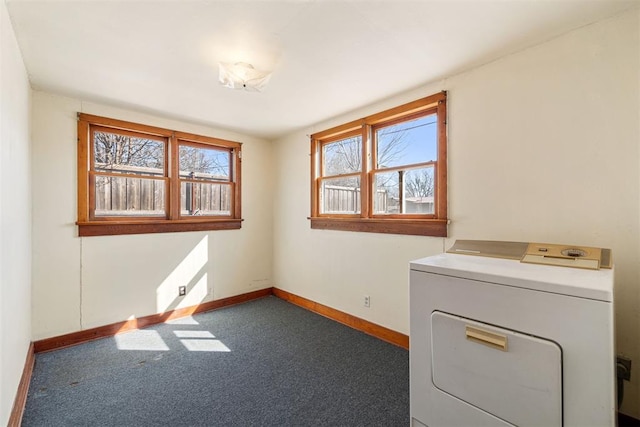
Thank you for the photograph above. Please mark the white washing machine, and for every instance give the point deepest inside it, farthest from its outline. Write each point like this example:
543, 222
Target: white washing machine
497, 342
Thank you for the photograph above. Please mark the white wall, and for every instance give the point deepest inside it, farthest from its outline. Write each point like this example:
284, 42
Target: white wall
80, 283
543, 146
15, 216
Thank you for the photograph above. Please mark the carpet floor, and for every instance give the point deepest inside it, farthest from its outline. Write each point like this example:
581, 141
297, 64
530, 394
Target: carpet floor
262, 363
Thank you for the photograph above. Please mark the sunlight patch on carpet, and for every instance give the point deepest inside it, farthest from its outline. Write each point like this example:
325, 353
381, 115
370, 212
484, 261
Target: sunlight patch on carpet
143, 340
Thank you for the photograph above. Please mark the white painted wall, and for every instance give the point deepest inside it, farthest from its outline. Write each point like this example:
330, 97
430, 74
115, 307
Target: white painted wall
543, 146
80, 283
15, 216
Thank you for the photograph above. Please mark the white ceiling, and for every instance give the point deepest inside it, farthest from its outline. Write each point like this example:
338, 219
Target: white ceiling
327, 57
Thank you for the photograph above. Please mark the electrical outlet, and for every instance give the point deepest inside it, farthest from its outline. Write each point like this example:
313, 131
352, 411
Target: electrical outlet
367, 301
182, 291
623, 368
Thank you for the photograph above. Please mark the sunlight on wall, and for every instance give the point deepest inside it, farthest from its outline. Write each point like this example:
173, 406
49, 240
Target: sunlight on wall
144, 340
192, 273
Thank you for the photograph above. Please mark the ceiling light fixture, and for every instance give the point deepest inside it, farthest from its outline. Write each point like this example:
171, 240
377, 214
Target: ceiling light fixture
243, 76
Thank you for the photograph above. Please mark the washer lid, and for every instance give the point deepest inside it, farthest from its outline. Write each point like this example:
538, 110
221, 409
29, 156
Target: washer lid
592, 284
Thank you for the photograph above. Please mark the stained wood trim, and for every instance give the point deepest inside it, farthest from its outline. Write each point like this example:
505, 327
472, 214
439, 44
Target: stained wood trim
441, 167
367, 220
113, 228
422, 165
75, 338
237, 188
357, 323
418, 105
132, 133
130, 175
171, 221
173, 196
124, 125
80, 337
15, 418
87, 335
83, 167
315, 160
185, 137
413, 227
342, 175
400, 117
366, 204
338, 130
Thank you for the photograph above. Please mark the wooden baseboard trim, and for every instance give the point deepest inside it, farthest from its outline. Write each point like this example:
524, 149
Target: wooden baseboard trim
385, 334
86, 335
362, 325
15, 418
75, 338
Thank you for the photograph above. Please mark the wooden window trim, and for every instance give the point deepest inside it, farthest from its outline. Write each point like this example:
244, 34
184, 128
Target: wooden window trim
414, 227
90, 225
409, 224
345, 132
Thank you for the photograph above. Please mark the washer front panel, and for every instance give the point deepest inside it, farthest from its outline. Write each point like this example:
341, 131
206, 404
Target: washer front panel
582, 327
514, 376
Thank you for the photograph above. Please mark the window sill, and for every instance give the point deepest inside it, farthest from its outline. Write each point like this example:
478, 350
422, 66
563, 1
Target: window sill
114, 228
415, 227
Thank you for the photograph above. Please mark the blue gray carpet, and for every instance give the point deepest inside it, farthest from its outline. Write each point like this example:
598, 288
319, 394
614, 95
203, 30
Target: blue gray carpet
262, 363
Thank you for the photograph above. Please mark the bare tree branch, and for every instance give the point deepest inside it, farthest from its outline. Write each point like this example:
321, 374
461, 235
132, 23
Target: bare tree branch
419, 183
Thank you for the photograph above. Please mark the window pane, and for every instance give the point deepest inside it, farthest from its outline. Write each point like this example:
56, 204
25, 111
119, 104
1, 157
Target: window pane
204, 163
117, 196
203, 198
407, 143
342, 157
404, 192
127, 154
340, 195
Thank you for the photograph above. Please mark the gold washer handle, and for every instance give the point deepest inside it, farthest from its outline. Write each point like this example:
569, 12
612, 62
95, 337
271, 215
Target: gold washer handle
487, 338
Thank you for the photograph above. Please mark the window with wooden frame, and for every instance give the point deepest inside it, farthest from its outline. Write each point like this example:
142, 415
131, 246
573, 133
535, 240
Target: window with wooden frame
385, 173
135, 179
